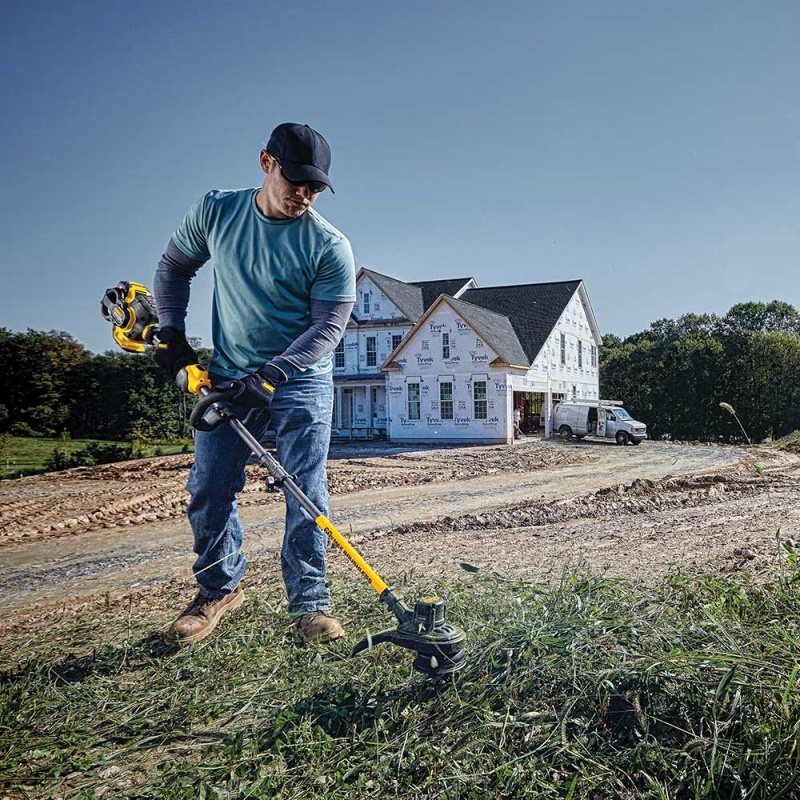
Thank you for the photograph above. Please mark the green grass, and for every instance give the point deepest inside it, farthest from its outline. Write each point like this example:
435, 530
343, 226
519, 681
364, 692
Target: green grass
590, 688
27, 455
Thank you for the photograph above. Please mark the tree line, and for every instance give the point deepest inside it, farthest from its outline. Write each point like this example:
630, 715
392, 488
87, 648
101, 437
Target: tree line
52, 386
672, 376
675, 374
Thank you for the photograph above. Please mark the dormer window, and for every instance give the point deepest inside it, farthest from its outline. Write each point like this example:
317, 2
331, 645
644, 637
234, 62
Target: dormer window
366, 302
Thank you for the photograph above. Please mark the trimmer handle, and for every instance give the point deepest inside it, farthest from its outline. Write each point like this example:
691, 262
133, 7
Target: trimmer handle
210, 410
206, 415
212, 407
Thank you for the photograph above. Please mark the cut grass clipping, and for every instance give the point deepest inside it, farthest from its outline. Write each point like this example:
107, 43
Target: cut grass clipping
590, 688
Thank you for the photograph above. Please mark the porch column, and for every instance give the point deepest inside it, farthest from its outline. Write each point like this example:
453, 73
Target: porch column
548, 402
368, 406
337, 423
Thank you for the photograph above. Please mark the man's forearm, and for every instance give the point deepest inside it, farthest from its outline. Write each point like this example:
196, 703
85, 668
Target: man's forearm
327, 328
171, 286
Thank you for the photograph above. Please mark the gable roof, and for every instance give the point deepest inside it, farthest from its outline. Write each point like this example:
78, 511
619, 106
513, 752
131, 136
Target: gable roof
452, 287
532, 309
516, 320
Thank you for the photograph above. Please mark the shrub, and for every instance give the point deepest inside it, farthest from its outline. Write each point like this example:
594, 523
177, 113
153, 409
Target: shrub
88, 456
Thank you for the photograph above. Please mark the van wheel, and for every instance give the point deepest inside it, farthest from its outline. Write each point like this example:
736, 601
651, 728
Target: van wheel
565, 432
636, 441
621, 437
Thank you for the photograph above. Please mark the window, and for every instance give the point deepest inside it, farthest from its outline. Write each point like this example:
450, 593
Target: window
338, 355
372, 351
413, 400
396, 339
446, 345
563, 348
580, 354
594, 356
446, 400
479, 399
366, 302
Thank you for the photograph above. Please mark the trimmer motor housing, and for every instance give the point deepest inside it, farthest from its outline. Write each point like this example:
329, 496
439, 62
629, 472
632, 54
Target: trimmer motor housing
132, 311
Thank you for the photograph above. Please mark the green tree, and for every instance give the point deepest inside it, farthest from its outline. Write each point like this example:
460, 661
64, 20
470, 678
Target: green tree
36, 368
127, 396
773, 384
692, 372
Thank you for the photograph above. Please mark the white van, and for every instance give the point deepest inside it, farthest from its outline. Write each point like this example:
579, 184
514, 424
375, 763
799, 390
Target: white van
604, 418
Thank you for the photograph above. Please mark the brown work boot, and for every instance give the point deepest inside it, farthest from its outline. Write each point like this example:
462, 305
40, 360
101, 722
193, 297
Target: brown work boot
201, 617
318, 627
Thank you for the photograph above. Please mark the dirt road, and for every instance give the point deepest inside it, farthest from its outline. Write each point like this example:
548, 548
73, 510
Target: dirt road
522, 510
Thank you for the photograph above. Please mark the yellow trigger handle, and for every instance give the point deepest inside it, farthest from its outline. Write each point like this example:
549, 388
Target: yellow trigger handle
193, 379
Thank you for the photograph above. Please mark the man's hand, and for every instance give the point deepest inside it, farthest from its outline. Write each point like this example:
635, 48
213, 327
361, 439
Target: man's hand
255, 390
173, 352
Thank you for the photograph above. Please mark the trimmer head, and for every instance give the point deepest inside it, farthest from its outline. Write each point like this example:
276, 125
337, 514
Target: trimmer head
439, 646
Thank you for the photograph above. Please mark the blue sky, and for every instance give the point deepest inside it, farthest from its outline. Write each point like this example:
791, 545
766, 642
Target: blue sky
651, 149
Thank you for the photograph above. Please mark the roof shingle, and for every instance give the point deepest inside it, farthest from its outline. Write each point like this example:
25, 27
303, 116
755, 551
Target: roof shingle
533, 309
432, 289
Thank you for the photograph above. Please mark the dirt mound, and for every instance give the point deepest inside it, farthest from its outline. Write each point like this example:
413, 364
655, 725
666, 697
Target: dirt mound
790, 442
639, 497
138, 492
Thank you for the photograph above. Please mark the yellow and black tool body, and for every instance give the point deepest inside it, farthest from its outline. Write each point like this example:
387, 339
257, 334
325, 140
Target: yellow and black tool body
438, 645
130, 308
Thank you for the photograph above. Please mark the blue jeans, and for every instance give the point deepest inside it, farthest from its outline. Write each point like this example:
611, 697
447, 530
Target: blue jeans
300, 415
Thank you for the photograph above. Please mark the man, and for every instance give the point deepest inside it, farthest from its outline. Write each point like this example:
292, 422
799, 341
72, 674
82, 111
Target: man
517, 420
284, 286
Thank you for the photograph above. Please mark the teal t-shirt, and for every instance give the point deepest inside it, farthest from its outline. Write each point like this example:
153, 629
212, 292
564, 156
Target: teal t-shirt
266, 272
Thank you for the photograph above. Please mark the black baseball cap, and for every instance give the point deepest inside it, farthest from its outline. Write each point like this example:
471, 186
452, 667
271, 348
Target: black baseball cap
303, 152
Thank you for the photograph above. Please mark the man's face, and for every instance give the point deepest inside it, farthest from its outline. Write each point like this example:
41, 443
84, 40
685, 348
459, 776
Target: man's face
279, 198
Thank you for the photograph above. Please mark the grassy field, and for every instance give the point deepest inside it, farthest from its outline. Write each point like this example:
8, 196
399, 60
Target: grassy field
27, 455
588, 688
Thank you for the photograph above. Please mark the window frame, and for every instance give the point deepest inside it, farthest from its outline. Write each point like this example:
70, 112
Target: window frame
371, 354
446, 405
338, 355
480, 405
414, 406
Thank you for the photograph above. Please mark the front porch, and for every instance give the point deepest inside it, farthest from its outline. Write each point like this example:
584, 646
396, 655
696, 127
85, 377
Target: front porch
359, 409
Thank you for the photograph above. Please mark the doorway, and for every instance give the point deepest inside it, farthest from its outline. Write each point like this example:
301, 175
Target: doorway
530, 405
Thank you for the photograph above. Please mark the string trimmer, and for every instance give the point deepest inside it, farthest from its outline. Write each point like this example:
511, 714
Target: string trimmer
438, 645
